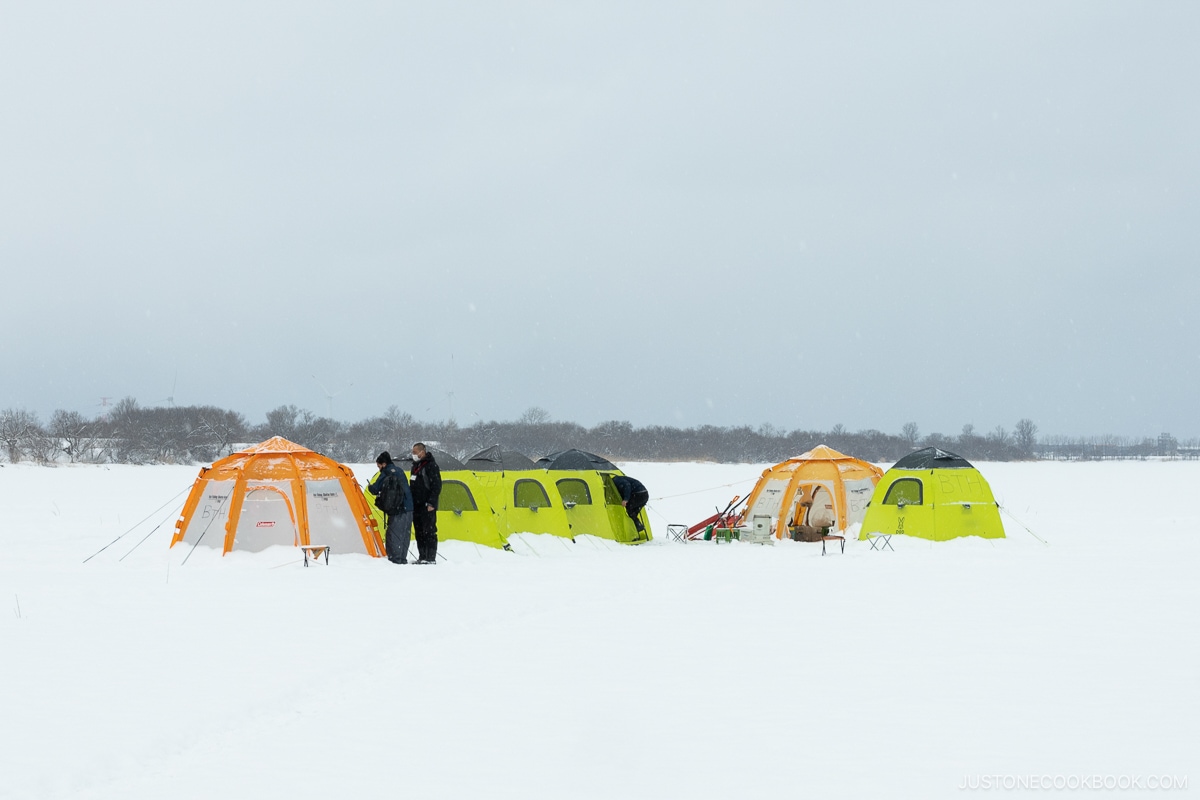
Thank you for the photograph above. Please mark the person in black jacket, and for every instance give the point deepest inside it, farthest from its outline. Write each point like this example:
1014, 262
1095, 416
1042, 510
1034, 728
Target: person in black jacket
426, 488
633, 496
398, 526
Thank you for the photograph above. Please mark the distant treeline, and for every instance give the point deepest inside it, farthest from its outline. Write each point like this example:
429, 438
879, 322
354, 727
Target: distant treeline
130, 434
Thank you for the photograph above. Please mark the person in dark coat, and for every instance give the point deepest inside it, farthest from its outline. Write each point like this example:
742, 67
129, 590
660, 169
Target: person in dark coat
426, 489
398, 527
633, 496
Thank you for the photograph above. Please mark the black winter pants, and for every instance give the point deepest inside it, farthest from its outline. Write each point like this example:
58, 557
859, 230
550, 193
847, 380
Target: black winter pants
425, 525
636, 503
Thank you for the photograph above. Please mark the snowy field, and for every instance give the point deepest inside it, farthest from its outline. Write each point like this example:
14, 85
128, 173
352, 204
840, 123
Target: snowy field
599, 671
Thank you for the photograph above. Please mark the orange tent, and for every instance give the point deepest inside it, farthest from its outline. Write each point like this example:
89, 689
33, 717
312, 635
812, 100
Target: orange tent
820, 488
278, 493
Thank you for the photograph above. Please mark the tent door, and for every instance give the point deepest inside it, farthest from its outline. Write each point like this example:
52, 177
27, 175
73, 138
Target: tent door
268, 518
813, 504
619, 519
823, 512
914, 512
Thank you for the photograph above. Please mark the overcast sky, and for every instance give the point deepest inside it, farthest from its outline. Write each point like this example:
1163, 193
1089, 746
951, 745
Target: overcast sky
687, 213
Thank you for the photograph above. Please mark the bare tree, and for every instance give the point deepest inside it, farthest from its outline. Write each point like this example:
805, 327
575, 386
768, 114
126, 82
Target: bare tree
76, 436
224, 428
163, 433
769, 431
614, 438
968, 441
126, 437
911, 433
535, 416
399, 426
16, 429
282, 422
40, 445
319, 433
1025, 437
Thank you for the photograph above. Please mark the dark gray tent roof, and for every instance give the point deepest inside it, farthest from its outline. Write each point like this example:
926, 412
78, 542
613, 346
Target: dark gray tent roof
494, 459
575, 460
446, 461
932, 458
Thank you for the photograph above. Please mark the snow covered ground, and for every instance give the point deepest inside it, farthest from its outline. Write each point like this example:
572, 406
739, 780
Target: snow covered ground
598, 671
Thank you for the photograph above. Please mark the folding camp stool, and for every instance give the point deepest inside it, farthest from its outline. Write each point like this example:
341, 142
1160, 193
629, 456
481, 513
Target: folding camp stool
825, 539
316, 550
881, 541
677, 532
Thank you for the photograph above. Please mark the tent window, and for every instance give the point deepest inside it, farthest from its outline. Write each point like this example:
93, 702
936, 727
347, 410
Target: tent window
575, 491
456, 497
904, 492
528, 493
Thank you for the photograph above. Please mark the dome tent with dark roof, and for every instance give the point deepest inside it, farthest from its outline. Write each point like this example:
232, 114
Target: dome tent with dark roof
516, 488
932, 458
446, 461
575, 460
584, 481
495, 459
582, 499
933, 494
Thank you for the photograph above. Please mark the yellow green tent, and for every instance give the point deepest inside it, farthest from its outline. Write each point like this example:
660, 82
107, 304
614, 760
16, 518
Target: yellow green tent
592, 504
498, 493
933, 494
520, 493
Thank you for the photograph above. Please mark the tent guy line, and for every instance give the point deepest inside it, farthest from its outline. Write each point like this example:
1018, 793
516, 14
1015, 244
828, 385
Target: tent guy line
1004, 510
701, 491
659, 513
152, 530
131, 530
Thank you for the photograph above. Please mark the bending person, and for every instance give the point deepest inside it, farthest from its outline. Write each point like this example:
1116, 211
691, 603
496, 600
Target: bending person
633, 496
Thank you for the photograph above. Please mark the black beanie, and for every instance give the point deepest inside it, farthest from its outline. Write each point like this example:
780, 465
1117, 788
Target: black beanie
384, 458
